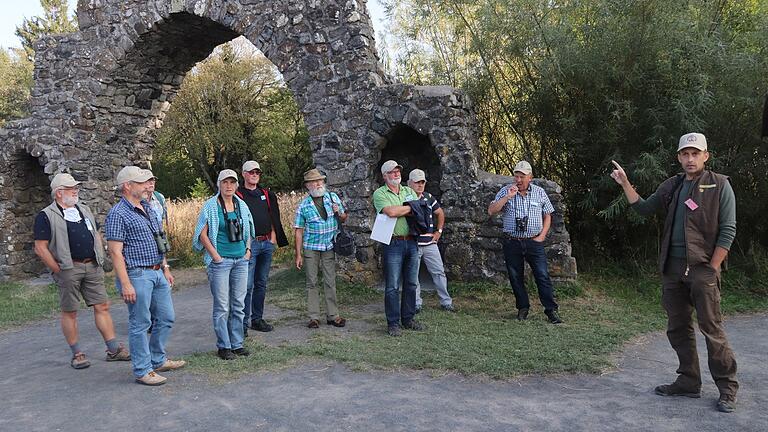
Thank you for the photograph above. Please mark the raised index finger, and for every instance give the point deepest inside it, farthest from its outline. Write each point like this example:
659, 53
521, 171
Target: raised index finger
616, 164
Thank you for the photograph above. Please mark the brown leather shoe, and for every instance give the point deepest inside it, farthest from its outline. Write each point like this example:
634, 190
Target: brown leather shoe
338, 322
152, 379
170, 365
313, 323
121, 354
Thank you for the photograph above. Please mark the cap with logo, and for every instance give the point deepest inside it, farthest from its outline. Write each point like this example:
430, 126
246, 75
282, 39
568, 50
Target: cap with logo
251, 165
63, 180
133, 174
523, 167
389, 166
225, 174
693, 139
417, 175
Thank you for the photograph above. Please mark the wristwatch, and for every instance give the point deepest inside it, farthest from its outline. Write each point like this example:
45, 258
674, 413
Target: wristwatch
440, 230
166, 266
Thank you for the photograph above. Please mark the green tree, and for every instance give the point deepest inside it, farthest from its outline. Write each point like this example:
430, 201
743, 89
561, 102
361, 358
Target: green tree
55, 20
15, 84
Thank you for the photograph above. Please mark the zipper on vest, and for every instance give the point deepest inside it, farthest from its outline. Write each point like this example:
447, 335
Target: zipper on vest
687, 269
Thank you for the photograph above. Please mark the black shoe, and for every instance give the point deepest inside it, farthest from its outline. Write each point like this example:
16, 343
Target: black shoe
417, 310
448, 307
553, 317
261, 325
226, 354
414, 325
241, 352
676, 389
394, 331
245, 332
726, 403
522, 314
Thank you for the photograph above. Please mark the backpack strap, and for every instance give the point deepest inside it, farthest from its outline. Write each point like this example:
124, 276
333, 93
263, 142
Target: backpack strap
266, 194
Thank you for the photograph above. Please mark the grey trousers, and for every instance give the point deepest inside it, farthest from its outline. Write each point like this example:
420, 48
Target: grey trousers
313, 261
430, 254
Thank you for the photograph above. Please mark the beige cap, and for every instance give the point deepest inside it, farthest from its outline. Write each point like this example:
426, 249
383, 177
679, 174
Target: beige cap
225, 174
693, 139
417, 175
313, 174
523, 167
389, 166
133, 174
250, 166
63, 180
152, 175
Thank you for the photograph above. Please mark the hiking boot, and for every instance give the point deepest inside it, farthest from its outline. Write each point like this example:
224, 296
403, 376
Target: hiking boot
170, 365
245, 332
394, 330
121, 354
676, 389
414, 325
79, 361
261, 325
553, 317
726, 403
313, 324
241, 352
448, 307
418, 309
152, 379
522, 314
226, 354
338, 322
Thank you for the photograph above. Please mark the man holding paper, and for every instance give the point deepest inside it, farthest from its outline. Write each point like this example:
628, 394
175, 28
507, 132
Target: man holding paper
401, 254
699, 227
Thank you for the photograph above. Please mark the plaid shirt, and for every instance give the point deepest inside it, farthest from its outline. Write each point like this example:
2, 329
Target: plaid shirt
535, 204
319, 233
126, 224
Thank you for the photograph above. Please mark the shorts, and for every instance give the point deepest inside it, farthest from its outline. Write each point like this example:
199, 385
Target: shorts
84, 280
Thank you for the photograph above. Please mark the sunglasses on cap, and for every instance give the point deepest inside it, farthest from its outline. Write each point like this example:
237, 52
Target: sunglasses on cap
254, 171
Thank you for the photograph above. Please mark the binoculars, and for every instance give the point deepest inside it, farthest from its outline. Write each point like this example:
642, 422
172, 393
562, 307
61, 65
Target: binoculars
161, 240
234, 230
521, 223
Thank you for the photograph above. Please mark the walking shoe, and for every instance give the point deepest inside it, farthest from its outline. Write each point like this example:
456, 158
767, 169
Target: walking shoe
522, 314
170, 365
726, 403
553, 317
394, 330
418, 309
448, 307
79, 361
152, 379
121, 354
241, 352
245, 332
226, 354
338, 322
313, 323
414, 325
676, 389
261, 325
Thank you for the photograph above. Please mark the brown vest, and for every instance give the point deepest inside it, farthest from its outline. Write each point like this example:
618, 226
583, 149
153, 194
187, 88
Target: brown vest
702, 225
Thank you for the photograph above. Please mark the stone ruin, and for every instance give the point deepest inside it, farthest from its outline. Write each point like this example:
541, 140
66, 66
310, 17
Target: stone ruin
101, 94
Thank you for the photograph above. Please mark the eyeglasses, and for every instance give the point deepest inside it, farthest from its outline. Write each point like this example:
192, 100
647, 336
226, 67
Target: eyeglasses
254, 172
421, 182
71, 188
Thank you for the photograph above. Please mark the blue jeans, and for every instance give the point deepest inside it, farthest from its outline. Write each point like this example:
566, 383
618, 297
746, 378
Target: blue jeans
258, 272
515, 251
401, 266
229, 282
153, 302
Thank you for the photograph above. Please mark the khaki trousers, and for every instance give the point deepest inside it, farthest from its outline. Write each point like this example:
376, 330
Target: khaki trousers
314, 261
699, 290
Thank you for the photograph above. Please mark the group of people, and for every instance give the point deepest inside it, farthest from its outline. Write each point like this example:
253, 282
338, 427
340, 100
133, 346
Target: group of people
239, 228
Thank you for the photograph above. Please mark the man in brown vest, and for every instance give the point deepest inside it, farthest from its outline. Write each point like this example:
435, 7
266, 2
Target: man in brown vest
68, 242
699, 228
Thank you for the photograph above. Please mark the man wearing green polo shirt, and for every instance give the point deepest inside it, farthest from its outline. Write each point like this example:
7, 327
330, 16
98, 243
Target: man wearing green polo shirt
401, 255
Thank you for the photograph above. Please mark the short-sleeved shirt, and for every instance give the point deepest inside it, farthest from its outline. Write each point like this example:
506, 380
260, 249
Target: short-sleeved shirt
134, 228
534, 204
384, 197
319, 232
224, 247
80, 237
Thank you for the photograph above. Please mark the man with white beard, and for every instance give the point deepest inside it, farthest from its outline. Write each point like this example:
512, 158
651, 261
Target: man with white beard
315, 229
69, 244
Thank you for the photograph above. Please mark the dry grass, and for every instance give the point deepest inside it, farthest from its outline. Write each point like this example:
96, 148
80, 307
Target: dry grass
182, 218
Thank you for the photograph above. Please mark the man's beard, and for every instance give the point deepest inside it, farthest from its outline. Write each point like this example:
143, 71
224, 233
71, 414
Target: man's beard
69, 201
394, 182
317, 192
139, 195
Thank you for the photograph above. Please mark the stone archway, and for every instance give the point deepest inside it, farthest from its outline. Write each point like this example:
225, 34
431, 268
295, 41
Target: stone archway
101, 94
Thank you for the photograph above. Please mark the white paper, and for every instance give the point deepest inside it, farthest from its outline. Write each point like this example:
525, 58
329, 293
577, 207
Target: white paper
383, 227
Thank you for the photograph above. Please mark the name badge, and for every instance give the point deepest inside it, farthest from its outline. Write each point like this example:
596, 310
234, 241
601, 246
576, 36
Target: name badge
88, 224
535, 204
691, 204
263, 197
706, 186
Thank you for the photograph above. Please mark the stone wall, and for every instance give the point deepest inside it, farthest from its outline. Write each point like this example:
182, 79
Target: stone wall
101, 94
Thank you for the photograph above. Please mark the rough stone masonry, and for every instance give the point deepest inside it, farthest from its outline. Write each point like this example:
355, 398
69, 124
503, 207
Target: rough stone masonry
101, 94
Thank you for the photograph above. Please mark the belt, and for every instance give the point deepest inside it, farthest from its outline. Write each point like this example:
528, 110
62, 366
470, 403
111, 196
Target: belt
407, 237
84, 261
511, 237
152, 267
264, 238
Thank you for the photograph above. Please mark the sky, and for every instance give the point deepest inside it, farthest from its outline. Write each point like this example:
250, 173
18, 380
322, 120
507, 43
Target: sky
14, 12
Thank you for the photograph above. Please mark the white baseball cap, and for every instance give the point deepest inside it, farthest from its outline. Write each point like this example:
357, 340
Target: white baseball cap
225, 174
250, 166
523, 167
133, 174
389, 166
693, 139
63, 180
417, 175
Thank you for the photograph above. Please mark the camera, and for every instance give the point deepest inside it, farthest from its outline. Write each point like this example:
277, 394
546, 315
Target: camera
521, 223
161, 240
234, 230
